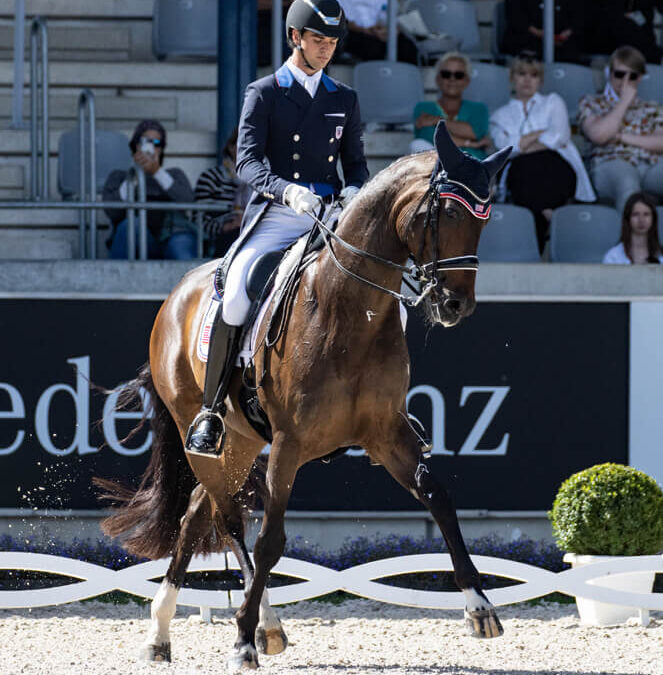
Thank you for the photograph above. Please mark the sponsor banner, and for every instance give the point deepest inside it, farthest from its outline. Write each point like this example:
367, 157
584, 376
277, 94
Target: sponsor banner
516, 398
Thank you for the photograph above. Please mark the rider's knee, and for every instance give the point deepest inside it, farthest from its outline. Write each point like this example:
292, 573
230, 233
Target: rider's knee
235, 310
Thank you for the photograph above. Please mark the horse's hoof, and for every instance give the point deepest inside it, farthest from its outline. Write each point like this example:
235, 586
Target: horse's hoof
156, 652
483, 623
272, 641
245, 658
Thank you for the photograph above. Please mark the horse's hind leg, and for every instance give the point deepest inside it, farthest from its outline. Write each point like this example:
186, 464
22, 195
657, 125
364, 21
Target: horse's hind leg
270, 637
195, 524
401, 456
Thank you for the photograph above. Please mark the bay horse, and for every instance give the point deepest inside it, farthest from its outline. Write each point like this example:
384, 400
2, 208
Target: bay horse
336, 377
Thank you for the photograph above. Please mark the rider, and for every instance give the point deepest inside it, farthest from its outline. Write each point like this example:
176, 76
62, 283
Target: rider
294, 126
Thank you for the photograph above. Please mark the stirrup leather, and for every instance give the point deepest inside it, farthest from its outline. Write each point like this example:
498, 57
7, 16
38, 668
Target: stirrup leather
207, 415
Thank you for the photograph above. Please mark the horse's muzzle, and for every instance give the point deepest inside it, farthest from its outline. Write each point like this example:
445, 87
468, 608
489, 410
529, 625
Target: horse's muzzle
449, 309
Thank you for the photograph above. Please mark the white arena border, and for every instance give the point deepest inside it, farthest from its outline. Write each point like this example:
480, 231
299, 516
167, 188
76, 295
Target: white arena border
320, 580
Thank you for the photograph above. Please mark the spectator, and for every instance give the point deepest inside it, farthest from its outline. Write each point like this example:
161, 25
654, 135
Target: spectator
170, 234
221, 184
546, 169
626, 132
467, 121
524, 28
639, 241
366, 38
623, 22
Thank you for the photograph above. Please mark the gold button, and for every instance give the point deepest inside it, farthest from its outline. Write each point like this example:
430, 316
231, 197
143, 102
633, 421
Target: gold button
295, 175
296, 137
331, 140
296, 156
330, 158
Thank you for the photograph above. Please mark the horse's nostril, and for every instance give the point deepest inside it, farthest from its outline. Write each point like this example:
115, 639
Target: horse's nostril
453, 304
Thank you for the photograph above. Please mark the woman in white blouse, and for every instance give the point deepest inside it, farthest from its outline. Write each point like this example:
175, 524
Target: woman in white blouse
546, 169
639, 241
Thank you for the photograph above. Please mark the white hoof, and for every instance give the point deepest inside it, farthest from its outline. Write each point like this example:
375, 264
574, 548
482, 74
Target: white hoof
271, 641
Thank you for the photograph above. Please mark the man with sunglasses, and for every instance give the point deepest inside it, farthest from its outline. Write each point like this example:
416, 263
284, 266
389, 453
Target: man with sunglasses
170, 234
626, 132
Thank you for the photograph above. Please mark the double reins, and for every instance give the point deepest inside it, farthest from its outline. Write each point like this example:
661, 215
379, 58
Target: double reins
426, 275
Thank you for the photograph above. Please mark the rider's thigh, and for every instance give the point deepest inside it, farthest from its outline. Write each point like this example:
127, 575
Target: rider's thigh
236, 303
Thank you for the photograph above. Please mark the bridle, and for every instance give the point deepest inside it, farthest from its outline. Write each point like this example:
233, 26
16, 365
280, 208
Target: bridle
426, 275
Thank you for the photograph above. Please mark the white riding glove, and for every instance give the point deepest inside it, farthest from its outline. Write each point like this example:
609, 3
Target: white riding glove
348, 194
301, 199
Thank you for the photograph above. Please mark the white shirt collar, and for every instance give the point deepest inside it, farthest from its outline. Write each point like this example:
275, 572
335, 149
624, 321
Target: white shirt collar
309, 82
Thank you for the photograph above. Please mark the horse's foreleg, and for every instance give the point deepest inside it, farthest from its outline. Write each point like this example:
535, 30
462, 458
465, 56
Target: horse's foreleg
270, 637
268, 549
404, 462
194, 525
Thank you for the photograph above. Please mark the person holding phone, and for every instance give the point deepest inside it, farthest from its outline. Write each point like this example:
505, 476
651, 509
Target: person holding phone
170, 233
626, 132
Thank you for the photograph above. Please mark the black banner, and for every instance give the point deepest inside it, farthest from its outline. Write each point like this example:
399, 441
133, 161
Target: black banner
516, 398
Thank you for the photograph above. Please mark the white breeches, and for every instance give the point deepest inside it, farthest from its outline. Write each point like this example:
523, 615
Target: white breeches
277, 229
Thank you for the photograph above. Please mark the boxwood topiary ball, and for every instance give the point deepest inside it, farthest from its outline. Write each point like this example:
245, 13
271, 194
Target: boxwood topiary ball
609, 509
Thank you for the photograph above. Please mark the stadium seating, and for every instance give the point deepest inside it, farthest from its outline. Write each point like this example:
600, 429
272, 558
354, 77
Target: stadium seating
388, 91
582, 233
659, 213
185, 28
498, 29
489, 84
510, 236
453, 17
112, 152
651, 86
570, 81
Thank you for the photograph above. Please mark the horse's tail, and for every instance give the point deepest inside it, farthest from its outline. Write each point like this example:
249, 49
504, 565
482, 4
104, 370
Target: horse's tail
151, 513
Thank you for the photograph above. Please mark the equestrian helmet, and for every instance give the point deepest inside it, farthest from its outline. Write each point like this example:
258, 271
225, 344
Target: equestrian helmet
324, 17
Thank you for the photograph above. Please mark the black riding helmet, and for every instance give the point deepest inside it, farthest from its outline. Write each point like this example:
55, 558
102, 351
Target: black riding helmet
325, 17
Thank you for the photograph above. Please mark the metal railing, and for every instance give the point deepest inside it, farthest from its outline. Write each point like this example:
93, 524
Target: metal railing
87, 157
19, 51
39, 187
142, 207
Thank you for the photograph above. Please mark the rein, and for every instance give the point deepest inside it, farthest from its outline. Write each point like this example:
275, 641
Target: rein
425, 275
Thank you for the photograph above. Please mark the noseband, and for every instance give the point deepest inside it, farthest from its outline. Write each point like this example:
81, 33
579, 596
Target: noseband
426, 275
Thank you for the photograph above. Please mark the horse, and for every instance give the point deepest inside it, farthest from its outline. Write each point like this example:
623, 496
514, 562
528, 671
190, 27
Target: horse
336, 376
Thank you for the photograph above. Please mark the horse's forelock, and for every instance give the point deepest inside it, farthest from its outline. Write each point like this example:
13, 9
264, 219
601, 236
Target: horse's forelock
414, 180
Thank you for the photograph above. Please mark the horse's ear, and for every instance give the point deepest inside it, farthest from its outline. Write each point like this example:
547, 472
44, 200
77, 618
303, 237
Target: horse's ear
496, 161
448, 152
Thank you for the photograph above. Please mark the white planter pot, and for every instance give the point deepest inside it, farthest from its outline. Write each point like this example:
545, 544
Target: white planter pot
594, 613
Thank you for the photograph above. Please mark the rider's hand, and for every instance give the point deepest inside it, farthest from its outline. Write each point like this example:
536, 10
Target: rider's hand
301, 199
348, 194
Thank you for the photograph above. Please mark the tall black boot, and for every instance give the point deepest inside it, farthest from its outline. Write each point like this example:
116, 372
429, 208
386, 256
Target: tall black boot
207, 433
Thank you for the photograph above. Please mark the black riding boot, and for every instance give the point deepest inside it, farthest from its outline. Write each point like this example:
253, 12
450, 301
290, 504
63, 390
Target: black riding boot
207, 432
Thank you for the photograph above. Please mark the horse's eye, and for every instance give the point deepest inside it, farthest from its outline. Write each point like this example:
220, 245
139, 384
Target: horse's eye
451, 212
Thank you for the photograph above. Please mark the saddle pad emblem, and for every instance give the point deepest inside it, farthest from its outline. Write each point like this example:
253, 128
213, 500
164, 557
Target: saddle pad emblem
206, 329
339, 132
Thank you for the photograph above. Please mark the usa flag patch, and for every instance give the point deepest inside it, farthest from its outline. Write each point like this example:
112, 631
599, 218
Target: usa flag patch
339, 132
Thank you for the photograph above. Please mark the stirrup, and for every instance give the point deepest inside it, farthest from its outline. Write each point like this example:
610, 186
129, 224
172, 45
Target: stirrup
209, 416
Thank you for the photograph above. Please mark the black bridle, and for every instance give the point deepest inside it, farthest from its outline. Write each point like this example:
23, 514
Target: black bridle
427, 274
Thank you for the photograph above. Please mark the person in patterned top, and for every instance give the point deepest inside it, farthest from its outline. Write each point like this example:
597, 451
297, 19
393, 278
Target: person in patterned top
626, 132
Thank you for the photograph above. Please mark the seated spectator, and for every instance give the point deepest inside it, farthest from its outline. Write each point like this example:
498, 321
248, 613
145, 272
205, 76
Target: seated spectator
626, 132
467, 121
639, 241
546, 169
170, 234
623, 22
524, 28
221, 184
366, 38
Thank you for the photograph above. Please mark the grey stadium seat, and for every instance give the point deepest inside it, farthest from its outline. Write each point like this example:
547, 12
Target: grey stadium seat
570, 81
388, 91
112, 152
489, 84
185, 28
510, 236
457, 18
583, 233
659, 213
651, 86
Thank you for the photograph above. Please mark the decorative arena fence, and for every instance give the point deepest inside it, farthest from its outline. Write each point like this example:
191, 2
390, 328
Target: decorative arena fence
315, 580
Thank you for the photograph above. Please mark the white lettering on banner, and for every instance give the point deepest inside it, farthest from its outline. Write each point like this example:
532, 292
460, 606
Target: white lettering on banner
437, 415
80, 395
111, 414
485, 418
17, 412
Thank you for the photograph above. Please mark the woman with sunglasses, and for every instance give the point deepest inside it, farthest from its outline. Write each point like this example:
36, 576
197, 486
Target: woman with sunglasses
467, 121
170, 234
546, 169
626, 132
639, 242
